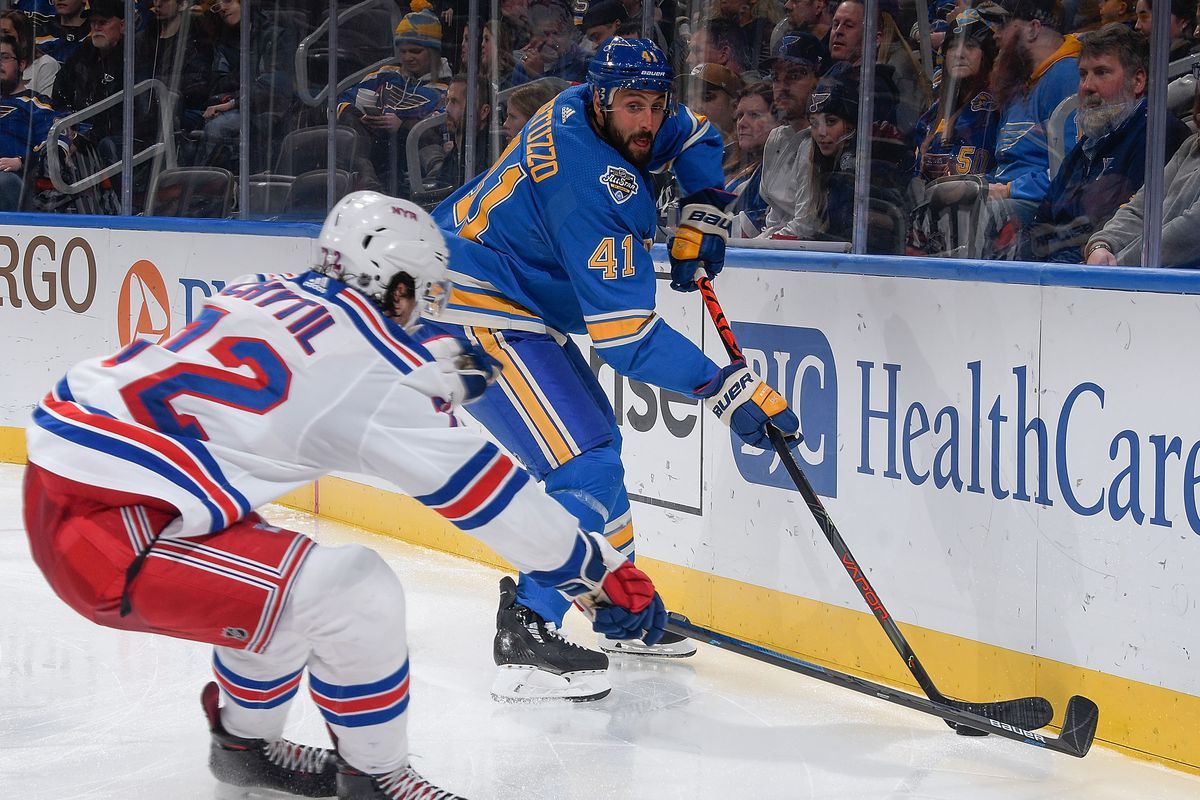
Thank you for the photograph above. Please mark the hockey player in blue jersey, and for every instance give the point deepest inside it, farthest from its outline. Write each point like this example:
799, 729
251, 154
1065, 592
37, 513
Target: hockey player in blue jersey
554, 240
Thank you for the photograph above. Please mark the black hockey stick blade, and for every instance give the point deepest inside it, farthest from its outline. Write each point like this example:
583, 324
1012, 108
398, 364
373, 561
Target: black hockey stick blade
1029, 713
1079, 722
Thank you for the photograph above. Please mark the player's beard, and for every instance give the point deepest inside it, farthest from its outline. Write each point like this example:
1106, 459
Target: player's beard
622, 143
1014, 67
9, 87
1099, 119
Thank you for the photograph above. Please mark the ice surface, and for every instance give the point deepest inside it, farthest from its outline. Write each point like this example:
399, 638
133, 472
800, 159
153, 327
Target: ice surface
87, 712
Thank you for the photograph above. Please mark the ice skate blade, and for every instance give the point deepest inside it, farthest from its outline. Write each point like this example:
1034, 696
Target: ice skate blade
523, 684
227, 791
684, 648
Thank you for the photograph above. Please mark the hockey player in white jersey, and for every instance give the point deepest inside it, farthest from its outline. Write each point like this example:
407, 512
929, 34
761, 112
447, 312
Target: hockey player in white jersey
145, 468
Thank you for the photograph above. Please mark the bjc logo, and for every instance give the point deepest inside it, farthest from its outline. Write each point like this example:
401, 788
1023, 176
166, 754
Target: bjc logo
799, 363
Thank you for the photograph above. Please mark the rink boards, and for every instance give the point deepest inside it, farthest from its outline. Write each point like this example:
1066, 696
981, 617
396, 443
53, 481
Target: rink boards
1008, 451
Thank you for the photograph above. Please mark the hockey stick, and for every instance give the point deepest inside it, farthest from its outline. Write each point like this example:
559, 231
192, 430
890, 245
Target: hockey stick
1079, 723
1028, 713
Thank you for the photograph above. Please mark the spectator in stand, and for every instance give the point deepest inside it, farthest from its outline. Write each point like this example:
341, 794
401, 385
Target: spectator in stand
717, 41
496, 60
786, 156
525, 101
386, 104
803, 16
712, 90
1122, 11
172, 49
272, 58
25, 121
755, 29
833, 115
957, 136
601, 22
94, 72
67, 32
41, 69
452, 170
828, 197
1183, 23
1119, 242
755, 121
892, 55
1108, 164
1037, 68
553, 51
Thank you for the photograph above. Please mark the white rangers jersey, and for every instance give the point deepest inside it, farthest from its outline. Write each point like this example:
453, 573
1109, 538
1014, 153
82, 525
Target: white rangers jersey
280, 380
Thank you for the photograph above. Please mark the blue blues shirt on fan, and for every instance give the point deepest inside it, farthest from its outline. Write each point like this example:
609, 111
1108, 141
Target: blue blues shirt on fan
25, 121
969, 146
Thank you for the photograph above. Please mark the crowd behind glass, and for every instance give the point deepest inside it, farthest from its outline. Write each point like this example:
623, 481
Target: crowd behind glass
988, 129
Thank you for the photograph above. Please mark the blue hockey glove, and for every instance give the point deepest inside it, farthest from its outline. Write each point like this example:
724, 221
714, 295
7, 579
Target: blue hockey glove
699, 242
747, 404
468, 368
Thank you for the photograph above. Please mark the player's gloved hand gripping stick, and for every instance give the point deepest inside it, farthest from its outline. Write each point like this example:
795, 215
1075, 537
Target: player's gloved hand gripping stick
699, 241
616, 596
1013, 719
467, 367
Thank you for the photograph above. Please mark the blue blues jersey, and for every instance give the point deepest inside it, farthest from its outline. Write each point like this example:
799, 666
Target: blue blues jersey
25, 120
388, 90
40, 12
967, 149
556, 236
62, 41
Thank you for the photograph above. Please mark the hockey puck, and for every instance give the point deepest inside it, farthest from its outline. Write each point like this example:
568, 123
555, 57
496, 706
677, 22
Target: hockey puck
963, 730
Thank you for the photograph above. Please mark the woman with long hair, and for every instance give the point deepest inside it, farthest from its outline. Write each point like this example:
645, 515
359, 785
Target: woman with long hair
753, 120
957, 135
833, 119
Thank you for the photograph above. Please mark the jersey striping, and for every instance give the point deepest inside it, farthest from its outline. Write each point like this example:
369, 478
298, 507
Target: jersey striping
278, 381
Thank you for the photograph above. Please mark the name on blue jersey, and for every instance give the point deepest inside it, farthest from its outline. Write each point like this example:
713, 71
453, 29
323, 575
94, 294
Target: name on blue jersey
540, 156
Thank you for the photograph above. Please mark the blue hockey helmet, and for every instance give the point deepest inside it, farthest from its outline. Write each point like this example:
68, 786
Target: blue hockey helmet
630, 64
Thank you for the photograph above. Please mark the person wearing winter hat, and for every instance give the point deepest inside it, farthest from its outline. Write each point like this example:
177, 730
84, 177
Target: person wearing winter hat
957, 135
418, 41
833, 116
798, 60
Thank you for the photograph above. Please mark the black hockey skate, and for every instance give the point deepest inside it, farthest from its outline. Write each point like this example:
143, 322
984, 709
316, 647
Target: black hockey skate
672, 645
536, 663
401, 784
279, 765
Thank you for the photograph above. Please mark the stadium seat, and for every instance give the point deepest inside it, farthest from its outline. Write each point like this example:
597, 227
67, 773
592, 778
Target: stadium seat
191, 192
306, 199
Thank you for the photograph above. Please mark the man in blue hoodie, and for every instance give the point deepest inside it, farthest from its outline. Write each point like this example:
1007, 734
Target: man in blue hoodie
1108, 164
1036, 69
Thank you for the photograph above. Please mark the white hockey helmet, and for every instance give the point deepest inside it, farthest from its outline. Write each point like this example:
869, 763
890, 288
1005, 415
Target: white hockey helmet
368, 238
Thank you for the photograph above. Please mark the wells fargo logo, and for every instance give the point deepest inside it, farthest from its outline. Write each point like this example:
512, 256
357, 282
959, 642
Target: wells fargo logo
143, 305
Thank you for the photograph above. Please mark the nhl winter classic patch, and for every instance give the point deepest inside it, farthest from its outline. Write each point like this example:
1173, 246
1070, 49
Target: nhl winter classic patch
620, 182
